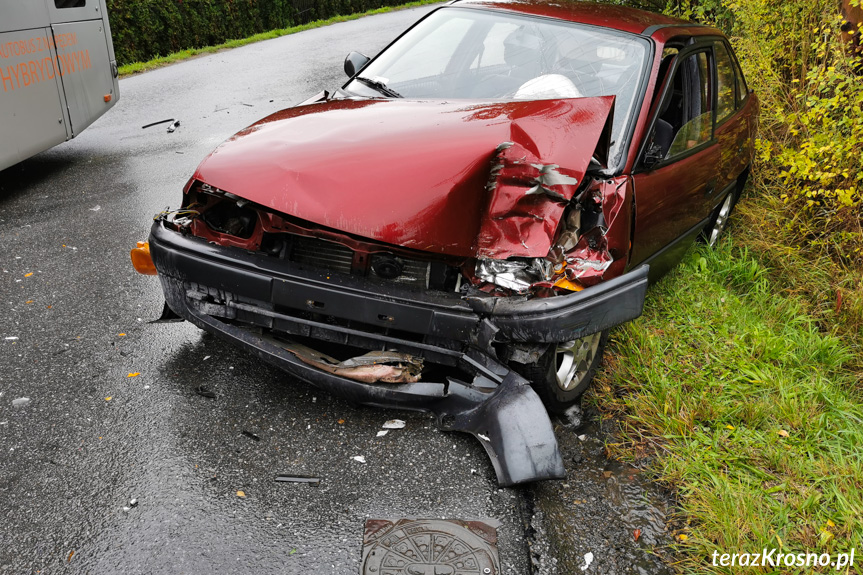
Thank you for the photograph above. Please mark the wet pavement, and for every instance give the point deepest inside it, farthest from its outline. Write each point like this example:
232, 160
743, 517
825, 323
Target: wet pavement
149, 448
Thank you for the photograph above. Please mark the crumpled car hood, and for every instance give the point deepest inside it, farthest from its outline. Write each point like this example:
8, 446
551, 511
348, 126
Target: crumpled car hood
459, 178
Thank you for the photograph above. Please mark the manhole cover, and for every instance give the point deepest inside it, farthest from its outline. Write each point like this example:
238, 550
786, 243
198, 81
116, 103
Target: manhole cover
430, 547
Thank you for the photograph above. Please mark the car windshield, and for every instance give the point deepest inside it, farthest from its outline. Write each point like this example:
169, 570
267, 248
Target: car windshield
468, 53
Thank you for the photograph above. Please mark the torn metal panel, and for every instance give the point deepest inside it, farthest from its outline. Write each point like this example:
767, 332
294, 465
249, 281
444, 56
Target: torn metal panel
374, 366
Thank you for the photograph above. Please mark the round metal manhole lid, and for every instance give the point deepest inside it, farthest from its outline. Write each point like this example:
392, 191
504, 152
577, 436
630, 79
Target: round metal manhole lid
430, 547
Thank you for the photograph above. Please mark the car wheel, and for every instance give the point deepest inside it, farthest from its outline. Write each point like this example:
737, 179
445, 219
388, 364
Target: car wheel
562, 374
713, 231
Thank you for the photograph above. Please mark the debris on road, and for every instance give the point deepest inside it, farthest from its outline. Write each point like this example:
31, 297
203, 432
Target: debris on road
251, 435
359, 458
21, 402
241, 494
11, 338
173, 126
298, 479
382, 433
204, 392
157, 123
394, 424
588, 559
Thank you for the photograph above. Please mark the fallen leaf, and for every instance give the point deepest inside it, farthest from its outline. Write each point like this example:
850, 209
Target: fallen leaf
637, 534
121, 335
29, 301
830, 523
108, 398
134, 374
683, 537
731, 427
782, 433
69, 558
241, 494
341, 422
28, 275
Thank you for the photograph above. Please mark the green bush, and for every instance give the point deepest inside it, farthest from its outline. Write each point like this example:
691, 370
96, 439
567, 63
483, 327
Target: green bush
143, 29
809, 150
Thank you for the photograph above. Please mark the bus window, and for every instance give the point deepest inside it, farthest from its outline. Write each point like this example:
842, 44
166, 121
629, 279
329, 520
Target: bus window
70, 3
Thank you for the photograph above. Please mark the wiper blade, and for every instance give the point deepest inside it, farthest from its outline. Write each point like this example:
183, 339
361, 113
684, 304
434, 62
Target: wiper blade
379, 86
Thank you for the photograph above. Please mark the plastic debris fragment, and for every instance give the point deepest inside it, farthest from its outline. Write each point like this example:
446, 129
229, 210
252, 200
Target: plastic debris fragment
359, 458
394, 424
21, 402
298, 479
251, 435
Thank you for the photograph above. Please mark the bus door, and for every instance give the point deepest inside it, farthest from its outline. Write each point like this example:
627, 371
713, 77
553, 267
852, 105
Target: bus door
85, 57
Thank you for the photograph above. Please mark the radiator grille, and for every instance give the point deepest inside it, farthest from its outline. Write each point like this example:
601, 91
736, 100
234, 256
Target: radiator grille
318, 253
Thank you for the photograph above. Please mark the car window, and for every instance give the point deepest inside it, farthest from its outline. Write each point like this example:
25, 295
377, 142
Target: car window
434, 51
742, 89
686, 114
726, 90
474, 54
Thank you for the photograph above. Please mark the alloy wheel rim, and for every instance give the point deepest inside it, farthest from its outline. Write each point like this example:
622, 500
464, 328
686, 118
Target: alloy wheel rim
573, 360
721, 220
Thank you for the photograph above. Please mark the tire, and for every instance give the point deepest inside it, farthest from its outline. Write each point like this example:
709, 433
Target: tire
562, 374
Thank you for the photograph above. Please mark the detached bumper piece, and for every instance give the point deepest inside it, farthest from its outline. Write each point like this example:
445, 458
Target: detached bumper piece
259, 302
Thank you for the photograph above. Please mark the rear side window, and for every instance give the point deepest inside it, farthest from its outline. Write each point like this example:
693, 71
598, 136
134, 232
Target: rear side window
726, 89
742, 89
70, 3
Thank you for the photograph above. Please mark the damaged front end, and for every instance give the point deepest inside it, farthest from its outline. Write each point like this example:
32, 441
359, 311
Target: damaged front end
476, 252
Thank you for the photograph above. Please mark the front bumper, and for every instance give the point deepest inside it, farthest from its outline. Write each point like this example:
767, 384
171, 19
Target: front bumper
220, 288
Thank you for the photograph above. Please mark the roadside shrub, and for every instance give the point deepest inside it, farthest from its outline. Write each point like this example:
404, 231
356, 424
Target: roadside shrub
143, 29
809, 151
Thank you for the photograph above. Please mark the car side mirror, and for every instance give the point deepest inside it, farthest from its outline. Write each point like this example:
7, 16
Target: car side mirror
354, 62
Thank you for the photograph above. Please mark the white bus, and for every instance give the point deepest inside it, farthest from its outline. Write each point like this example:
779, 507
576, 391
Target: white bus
58, 73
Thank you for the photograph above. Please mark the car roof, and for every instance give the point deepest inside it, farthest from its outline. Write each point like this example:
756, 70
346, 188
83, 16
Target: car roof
610, 16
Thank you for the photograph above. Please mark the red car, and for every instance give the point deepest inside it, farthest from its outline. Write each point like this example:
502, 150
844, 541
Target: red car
458, 226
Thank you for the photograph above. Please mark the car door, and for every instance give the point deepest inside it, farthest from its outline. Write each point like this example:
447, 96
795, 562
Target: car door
676, 174
733, 121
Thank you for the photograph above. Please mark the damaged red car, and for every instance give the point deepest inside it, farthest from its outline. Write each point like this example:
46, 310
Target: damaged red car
465, 219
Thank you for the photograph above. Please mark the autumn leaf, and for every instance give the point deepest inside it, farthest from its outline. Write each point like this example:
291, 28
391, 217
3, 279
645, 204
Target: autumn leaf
108, 398
134, 374
28, 275
782, 433
241, 494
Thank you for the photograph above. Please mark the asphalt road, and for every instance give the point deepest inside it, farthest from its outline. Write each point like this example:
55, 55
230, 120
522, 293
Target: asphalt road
92, 437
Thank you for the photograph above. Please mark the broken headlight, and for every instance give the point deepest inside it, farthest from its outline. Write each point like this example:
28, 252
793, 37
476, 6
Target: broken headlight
517, 274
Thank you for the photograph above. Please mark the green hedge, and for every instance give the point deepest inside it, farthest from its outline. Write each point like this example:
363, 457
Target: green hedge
143, 29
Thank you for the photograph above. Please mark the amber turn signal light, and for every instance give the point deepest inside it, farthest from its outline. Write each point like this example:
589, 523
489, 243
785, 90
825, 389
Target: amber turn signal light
141, 260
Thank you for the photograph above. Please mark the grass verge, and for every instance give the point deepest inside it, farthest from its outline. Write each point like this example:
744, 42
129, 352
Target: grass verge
159, 61
741, 390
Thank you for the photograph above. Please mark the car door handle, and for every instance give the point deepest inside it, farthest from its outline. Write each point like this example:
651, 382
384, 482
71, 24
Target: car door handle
711, 187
